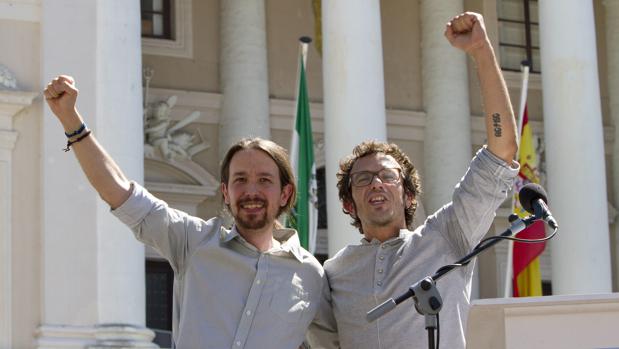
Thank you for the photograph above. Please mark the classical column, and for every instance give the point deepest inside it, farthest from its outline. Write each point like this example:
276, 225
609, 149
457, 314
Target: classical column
11, 103
244, 74
447, 136
611, 10
354, 97
574, 147
93, 288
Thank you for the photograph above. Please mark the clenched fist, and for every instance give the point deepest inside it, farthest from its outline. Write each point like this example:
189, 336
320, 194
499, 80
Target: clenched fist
61, 96
467, 32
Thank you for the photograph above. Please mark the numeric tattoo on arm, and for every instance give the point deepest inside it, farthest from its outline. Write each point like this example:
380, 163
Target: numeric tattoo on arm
496, 123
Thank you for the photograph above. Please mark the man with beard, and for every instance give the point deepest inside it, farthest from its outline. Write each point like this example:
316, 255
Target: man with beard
253, 286
379, 186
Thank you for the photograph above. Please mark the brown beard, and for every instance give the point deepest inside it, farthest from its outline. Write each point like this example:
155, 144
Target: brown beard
252, 222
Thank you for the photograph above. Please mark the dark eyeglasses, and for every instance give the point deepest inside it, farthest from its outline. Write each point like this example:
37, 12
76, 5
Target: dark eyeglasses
386, 175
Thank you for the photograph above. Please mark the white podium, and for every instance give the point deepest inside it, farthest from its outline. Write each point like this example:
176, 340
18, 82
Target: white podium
566, 322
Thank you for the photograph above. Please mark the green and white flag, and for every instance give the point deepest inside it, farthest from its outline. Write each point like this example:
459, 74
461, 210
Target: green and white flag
305, 214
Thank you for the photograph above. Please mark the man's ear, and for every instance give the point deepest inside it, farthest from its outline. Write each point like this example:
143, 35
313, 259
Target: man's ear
285, 196
224, 192
409, 197
349, 207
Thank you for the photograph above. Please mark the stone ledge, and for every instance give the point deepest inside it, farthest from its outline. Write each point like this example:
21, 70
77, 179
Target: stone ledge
114, 335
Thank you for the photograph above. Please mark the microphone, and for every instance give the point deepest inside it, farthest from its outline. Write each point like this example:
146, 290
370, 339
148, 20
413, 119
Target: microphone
533, 199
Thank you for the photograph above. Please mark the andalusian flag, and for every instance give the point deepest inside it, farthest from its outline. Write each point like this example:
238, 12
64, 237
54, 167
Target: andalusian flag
527, 279
305, 214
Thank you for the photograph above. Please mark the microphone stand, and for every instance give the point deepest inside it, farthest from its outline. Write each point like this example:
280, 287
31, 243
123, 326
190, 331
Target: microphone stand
428, 301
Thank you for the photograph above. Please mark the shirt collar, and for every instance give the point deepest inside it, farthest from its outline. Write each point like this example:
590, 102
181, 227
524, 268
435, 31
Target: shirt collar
394, 240
290, 242
288, 238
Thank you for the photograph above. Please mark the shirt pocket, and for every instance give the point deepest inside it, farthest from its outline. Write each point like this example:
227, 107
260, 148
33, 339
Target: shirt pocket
290, 301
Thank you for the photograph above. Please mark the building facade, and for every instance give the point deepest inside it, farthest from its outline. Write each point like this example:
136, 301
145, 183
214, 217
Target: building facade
197, 75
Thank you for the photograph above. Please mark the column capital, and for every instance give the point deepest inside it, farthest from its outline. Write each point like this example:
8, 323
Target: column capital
11, 103
7, 139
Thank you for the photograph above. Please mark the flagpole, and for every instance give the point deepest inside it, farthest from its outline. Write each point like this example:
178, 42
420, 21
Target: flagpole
524, 67
523, 96
304, 42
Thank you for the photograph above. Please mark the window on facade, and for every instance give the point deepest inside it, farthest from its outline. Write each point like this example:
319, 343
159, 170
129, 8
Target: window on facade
519, 34
322, 198
157, 19
159, 288
321, 243
546, 288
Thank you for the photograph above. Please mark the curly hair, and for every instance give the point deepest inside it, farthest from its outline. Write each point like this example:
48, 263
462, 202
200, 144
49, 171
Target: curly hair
275, 152
410, 178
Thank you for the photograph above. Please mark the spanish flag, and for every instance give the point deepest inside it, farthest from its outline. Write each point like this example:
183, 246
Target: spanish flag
527, 279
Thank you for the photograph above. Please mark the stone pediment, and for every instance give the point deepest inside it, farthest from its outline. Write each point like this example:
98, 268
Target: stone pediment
178, 180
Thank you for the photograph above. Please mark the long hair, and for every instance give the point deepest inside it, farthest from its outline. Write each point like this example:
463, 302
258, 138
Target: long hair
275, 152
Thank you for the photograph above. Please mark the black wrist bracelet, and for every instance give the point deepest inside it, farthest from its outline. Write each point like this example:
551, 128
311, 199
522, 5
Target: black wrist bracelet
76, 132
70, 143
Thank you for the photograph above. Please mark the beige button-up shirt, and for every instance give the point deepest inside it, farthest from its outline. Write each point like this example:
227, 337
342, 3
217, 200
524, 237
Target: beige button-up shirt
360, 277
227, 294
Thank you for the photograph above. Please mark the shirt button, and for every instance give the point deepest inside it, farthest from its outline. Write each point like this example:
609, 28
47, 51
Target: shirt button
248, 312
258, 282
383, 246
238, 343
380, 271
381, 257
380, 283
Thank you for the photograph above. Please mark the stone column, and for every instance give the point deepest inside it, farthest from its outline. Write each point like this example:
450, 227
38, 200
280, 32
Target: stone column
611, 10
447, 136
11, 103
354, 97
574, 147
93, 291
244, 74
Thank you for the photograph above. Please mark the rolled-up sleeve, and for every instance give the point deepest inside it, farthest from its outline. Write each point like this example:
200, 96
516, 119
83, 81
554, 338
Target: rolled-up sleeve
480, 193
154, 223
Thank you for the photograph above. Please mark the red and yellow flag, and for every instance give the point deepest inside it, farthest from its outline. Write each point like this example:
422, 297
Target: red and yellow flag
527, 279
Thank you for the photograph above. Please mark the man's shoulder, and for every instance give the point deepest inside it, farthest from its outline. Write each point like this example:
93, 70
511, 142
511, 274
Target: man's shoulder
309, 261
344, 257
205, 232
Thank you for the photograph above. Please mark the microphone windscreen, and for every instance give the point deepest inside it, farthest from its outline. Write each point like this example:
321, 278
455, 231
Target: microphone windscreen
529, 194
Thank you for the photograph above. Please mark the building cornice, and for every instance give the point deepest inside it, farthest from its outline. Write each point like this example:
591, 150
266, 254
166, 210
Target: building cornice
21, 10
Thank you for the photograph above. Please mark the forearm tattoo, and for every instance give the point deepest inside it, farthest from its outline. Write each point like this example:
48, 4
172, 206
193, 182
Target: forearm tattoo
496, 123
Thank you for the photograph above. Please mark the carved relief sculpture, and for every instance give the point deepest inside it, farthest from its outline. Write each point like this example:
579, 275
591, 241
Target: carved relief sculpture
162, 136
7, 79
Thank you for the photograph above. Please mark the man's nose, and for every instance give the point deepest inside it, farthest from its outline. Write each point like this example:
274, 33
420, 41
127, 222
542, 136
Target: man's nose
251, 188
376, 181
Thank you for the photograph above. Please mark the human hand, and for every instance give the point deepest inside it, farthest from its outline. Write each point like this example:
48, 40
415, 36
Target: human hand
467, 32
61, 96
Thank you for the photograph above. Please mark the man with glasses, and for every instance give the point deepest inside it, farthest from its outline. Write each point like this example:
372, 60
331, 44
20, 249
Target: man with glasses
379, 187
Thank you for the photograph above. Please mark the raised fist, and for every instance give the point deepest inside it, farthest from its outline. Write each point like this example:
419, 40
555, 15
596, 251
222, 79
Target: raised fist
467, 32
61, 96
